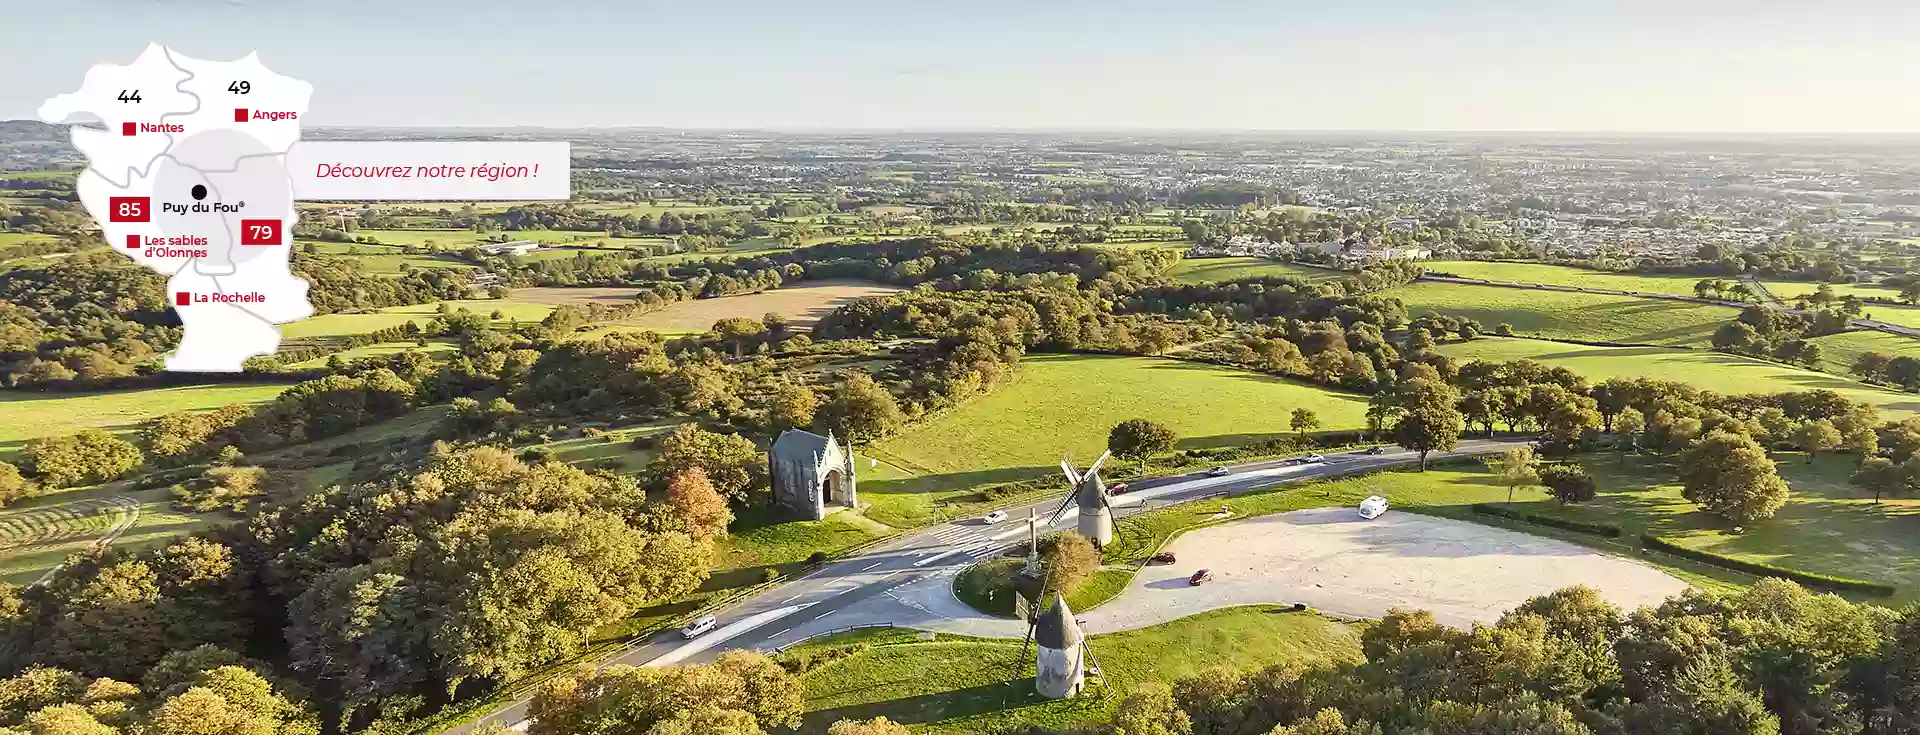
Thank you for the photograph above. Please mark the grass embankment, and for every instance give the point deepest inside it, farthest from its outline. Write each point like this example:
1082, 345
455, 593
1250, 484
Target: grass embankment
953, 684
1063, 406
1570, 315
1212, 270
1714, 371
989, 585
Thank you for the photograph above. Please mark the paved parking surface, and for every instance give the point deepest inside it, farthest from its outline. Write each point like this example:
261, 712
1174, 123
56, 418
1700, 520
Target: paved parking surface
1333, 561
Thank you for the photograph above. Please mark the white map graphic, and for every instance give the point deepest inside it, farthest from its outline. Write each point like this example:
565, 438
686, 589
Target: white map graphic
188, 177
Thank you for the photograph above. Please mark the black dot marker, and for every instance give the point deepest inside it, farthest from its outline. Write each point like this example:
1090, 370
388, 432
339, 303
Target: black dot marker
199, 192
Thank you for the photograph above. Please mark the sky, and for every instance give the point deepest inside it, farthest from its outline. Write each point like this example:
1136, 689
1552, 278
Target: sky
1727, 66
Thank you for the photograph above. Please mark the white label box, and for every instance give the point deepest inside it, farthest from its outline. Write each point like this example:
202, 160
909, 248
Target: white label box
430, 171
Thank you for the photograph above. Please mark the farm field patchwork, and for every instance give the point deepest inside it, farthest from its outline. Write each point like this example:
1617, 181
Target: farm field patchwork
1560, 275
954, 684
433, 347
1210, 270
1714, 371
1570, 315
1064, 405
29, 415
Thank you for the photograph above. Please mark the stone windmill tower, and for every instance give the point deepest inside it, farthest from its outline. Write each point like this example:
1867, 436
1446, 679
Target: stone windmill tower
1090, 494
1061, 662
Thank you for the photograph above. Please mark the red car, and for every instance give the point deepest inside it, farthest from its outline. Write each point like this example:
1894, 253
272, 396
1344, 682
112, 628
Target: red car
1116, 488
1200, 577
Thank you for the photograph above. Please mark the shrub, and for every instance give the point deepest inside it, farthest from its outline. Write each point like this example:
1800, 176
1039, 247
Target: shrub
536, 455
1810, 579
769, 574
1598, 529
818, 557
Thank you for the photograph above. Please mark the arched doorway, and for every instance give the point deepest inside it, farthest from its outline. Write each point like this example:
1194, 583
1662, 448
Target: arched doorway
833, 488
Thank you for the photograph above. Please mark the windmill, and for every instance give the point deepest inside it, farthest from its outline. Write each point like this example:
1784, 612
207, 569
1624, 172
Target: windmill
1096, 509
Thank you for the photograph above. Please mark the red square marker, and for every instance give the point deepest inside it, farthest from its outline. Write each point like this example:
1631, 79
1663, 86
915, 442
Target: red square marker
182, 298
259, 232
127, 209
240, 114
133, 242
127, 128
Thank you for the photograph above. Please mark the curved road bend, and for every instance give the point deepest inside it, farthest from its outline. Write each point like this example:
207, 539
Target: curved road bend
905, 581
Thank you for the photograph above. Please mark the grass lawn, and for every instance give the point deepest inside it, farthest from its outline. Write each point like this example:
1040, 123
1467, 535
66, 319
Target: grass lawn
1568, 315
953, 684
328, 325
1063, 406
16, 238
1790, 290
1559, 275
29, 415
1840, 350
1714, 371
759, 541
988, 586
1906, 316
1209, 270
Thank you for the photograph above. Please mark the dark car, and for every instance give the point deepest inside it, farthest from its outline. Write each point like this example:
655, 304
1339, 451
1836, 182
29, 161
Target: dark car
1200, 577
1165, 557
1375, 450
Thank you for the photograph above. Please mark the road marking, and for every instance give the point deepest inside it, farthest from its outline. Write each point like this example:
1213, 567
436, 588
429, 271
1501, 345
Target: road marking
950, 533
783, 631
822, 615
870, 566
791, 599
725, 633
951, 552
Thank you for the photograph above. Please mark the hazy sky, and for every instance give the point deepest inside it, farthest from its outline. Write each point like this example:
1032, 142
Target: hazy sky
1630, 65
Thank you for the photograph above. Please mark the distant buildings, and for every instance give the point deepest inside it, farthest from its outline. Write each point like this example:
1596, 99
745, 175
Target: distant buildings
517, 247
1345, 254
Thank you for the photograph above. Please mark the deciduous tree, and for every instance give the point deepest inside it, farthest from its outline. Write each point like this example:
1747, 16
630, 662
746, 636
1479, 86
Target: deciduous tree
1730, 475
1139, 439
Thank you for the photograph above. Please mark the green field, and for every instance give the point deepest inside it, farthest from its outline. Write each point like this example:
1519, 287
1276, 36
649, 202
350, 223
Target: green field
1570, 315
16, 238
1714, 371
1559, 275
1209, 270
1840, 350
1906, 316
28, 415
329, 325
954, 684
434, 347
1790, 290
1063, 406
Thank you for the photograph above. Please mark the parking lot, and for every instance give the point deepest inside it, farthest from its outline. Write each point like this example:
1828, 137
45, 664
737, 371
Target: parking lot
1336, 562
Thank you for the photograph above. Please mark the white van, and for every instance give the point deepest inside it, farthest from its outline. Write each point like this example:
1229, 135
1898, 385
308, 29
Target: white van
697, 627
1372, 507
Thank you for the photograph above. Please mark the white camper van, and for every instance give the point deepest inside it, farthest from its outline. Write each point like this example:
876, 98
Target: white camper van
1372, 507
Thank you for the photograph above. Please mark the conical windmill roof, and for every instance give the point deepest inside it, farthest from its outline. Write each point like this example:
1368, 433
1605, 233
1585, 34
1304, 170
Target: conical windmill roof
1056, 628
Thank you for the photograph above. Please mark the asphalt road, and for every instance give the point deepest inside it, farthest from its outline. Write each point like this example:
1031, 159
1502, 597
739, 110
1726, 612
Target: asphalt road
904, 581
